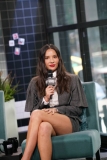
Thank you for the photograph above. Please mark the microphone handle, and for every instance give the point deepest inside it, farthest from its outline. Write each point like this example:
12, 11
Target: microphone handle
52, 94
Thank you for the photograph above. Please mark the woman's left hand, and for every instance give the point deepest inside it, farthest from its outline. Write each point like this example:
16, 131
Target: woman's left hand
51, 110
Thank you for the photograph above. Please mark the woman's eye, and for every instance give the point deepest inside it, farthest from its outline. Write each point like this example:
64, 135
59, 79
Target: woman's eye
55, 56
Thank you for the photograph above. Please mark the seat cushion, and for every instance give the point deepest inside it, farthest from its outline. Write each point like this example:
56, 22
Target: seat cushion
65, 146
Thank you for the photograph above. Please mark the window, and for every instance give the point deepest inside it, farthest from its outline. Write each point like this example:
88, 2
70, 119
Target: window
78, 28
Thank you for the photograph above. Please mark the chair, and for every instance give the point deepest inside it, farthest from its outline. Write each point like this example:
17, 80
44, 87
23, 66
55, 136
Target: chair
2, 119
7, 114
82, 144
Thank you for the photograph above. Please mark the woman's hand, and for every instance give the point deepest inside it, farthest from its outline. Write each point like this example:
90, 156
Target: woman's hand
48, 92
51, 110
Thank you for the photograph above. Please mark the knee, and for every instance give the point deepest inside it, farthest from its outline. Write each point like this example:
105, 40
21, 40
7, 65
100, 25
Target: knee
45, 129
36, 114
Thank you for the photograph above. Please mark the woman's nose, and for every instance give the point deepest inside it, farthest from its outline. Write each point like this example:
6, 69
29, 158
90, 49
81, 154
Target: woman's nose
51, 60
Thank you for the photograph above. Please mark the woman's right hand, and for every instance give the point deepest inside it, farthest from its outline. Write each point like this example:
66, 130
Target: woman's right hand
48, 92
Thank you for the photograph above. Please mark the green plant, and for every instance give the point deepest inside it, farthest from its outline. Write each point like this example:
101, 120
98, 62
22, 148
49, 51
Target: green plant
7, 87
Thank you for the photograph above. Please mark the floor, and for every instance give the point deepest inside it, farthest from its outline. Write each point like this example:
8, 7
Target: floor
103, 156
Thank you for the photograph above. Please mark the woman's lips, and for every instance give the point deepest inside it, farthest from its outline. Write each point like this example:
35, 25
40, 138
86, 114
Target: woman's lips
52, 65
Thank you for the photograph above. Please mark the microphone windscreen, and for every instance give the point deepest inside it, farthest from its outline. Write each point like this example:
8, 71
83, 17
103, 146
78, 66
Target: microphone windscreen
50, 79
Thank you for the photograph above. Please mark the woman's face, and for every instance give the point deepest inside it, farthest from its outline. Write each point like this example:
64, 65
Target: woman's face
51, 60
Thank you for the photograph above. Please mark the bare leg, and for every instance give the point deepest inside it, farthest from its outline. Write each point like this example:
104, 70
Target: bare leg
39, 116
44, 140
31, 137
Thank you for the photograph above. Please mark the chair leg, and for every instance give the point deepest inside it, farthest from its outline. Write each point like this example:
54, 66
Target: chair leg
89, 158
98, 155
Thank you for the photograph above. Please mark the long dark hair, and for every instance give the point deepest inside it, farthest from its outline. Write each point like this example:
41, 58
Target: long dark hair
63, 77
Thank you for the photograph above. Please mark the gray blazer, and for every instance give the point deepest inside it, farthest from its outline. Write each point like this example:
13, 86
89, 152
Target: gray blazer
69, 103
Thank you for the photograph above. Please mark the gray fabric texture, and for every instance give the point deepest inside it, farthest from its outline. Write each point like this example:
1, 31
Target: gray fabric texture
70, 104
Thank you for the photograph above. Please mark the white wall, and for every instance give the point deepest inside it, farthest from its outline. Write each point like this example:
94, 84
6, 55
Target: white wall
21, 114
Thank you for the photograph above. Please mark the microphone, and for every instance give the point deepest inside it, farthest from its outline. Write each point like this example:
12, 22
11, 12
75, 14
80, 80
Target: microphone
50, 80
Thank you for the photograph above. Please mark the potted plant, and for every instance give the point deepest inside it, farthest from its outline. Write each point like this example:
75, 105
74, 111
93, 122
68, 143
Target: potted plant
6, 85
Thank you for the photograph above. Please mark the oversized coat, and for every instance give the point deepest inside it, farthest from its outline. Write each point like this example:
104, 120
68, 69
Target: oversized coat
69, 103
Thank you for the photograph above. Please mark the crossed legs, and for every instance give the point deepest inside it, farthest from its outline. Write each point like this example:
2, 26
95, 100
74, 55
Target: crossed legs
41, 127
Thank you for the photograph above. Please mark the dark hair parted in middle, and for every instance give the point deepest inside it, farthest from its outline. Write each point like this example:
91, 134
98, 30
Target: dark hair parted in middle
63, 77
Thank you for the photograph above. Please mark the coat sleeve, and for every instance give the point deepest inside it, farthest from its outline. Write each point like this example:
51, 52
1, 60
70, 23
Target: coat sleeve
77, 98
32, 100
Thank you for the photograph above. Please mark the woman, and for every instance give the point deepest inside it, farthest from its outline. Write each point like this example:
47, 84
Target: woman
55, 110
